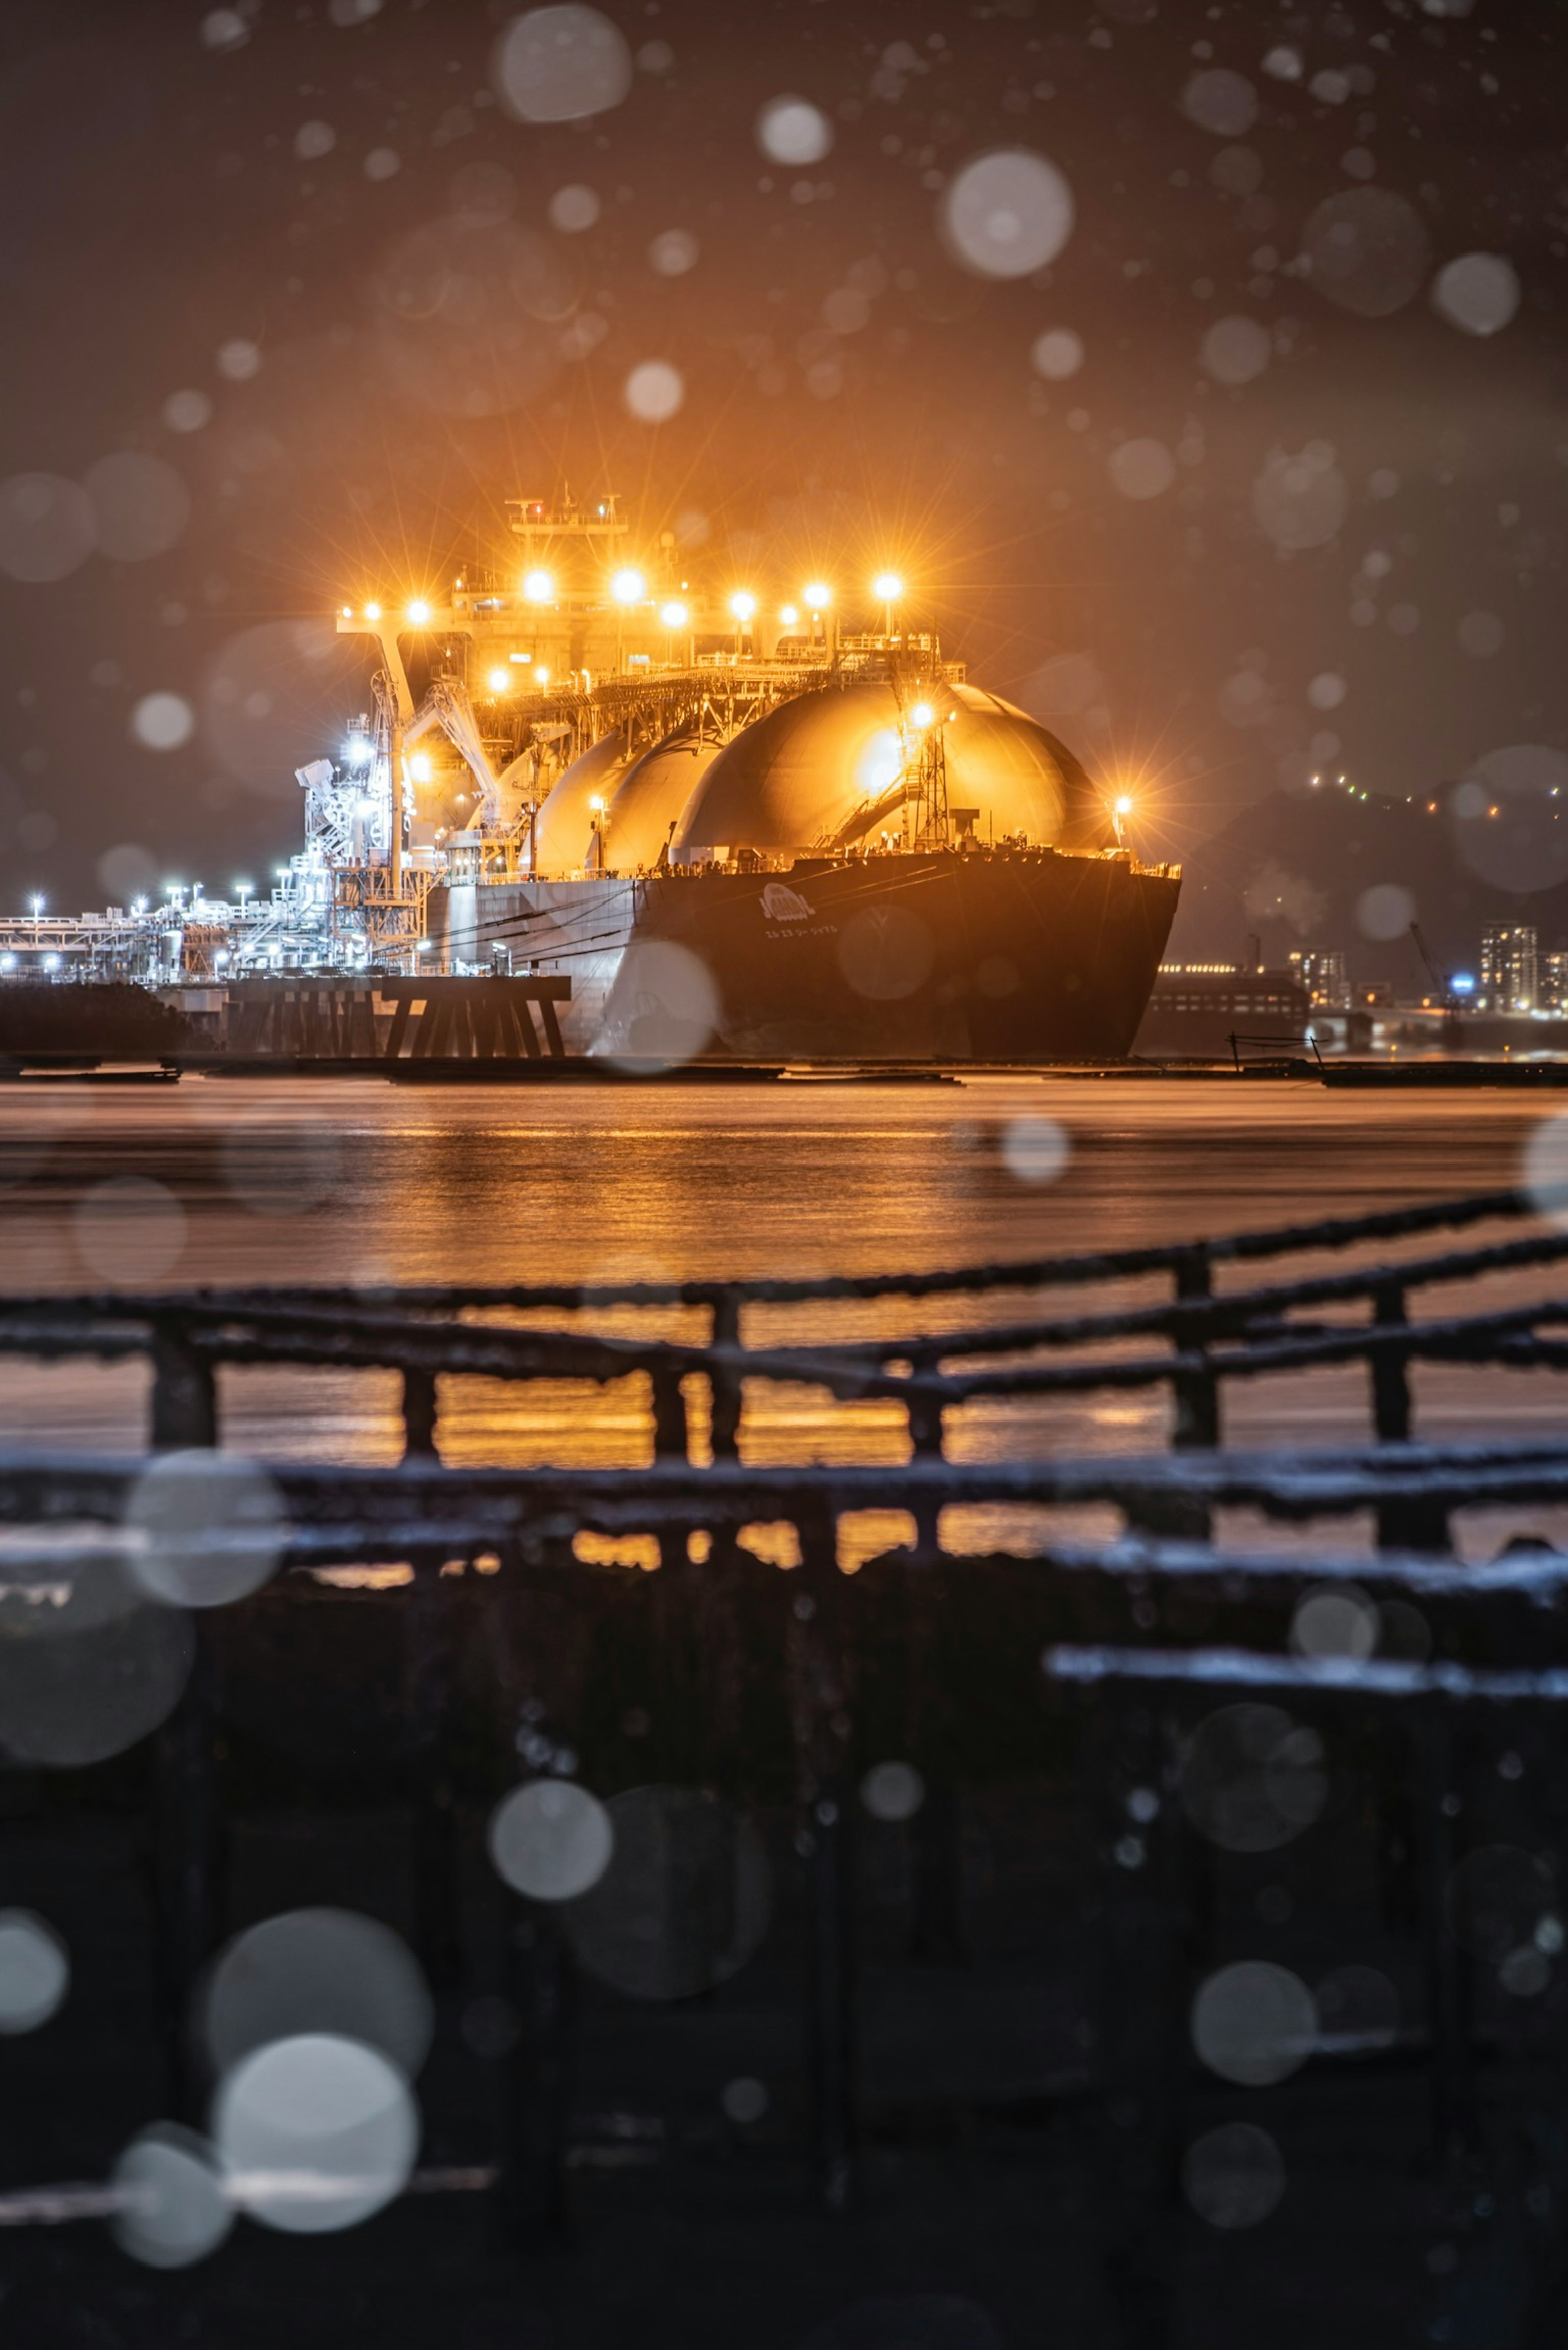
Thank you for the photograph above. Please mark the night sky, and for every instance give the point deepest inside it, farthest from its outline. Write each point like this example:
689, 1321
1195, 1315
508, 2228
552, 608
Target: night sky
1201, 368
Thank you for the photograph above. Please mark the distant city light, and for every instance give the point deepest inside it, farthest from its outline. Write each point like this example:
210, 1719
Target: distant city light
629, 587
500, 679
539, 588
816, 595
886, 587
743, 606
675, 615
372, 611
419, 611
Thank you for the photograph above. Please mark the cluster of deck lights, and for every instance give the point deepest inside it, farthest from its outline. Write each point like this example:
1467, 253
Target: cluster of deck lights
630, 588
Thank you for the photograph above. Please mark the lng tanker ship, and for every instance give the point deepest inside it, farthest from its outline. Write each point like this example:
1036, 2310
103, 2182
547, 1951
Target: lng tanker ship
734, 828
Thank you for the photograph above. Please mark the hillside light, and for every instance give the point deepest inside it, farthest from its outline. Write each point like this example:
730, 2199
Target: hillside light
539, 588
418, 612
628, 586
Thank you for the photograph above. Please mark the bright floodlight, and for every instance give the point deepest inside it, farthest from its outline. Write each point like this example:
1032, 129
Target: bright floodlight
1124, 806
675, 615
420, 767
886, 587
923, 713
348, 612
372, 611
817, 594
419, 611
789, 616
743, 606
539, 588
596, 803
628, 586
541, 679
500, 679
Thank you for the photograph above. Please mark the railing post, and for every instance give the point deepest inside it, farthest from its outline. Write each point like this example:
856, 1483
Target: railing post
419, 1414
188, 1831
1401, 1524
184, 1394
1196, 1395
723, 1381
671, 1438
818, 1702
926, 1437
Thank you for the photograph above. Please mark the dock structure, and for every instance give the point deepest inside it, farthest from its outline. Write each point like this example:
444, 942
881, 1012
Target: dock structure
387, 1019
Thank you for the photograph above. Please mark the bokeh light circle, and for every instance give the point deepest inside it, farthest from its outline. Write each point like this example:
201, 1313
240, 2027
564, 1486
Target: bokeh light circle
1252, 1779
1233, 2177
1255, 2023
46, 527
1142, 468
316, 2133
1510, 817
1220, 101
892, 1791
791, 132
130, 1230
1236, 349
551, 1840
35, 1971
207, 1528
1007, 213
1366, 250
1035, 1150
1057, 353
1384, 911
177, 2210
684, 1902
320, 1971
1478, 293
654, 390
561, 64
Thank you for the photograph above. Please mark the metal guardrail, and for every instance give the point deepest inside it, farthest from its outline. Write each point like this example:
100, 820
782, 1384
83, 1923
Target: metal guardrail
1141, 1613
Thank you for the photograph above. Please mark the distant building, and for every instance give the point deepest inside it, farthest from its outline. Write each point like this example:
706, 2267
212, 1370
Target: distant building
1554, 981
1509, 968
1198, 1007
1322, 974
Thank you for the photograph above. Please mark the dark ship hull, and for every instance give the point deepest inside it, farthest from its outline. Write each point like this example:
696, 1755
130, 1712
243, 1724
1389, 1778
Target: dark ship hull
989, 955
